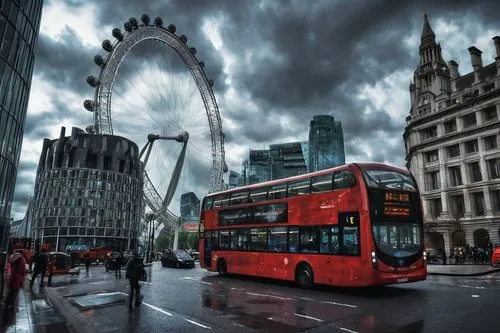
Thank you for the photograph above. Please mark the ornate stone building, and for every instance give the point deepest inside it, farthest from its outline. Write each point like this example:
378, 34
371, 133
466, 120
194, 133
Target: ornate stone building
452, 145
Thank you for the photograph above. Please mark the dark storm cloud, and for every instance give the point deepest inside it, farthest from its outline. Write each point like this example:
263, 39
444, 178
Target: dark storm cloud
65, 63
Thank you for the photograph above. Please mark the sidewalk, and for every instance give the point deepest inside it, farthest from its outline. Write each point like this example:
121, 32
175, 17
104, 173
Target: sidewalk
461, 270
33, 314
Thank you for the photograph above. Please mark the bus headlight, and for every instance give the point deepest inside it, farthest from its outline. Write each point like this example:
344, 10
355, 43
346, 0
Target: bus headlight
425, 256
374, 259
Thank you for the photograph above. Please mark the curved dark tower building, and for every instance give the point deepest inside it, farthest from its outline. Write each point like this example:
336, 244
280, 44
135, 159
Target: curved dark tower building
19, 26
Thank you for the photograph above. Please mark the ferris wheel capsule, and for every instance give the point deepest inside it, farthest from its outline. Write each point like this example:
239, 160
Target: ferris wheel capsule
183, 38
211, 82
99, 61
202, 64
158, 21
127, 26
171, 28
117, 34
91, 80
145, 19
89, 105
90, 129
193, 50
133, 22
107, 46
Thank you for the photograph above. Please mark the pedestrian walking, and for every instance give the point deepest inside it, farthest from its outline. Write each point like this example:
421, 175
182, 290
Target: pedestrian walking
87, 262
119, 261
134, 271
16, 279
41, 261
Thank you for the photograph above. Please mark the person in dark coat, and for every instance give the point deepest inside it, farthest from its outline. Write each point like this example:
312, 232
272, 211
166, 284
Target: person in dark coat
119, 261
16, 280
41, 261
134, 270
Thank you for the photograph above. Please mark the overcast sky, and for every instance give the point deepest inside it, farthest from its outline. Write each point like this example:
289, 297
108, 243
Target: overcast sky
275, 64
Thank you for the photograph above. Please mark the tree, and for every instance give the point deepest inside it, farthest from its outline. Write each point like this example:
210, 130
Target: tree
165, 241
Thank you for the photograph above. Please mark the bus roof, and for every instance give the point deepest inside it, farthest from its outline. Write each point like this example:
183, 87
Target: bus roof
362, 166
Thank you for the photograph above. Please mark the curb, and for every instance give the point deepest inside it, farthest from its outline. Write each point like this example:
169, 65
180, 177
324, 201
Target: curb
75, 320
495, 270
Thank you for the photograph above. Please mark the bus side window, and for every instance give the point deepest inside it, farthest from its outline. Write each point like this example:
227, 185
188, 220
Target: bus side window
343, 179
350, 240
329, 240
277, 241
277, 192
299, 188
258, 195
309, 239
321, 183
293, 239
215, 240
224, 240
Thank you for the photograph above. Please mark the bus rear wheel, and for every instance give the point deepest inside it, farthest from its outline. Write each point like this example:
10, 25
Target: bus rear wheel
221, 267
304, 276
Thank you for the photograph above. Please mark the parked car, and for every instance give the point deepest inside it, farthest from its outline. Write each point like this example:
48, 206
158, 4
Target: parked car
177, 259
495, 257
436, 256
194, 254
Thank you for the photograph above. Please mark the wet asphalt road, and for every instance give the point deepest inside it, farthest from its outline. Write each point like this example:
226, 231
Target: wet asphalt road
193, 300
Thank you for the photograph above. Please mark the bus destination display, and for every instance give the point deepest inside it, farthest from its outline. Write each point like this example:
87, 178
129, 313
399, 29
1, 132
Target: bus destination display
397, 204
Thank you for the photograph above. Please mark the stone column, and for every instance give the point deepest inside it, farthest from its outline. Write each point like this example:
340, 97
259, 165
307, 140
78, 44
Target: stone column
467, 203
487, 201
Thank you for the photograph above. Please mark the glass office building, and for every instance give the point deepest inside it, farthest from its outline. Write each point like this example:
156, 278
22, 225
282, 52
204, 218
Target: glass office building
19, 26
326, 143
259, 166
287, 160
88, 191
190, 207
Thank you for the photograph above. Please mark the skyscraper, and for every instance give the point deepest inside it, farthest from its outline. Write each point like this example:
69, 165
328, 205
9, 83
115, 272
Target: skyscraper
326, 143
19, 26
190, 207
259, 166
287, 160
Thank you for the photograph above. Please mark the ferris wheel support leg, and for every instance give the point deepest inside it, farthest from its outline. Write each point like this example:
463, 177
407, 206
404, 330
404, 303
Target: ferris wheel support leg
176, 235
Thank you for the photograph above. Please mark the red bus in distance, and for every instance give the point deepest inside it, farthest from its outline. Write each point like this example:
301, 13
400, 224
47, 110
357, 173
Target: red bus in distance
359, 224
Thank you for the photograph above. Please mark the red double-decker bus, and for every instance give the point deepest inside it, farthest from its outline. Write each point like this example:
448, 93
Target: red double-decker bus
358, 224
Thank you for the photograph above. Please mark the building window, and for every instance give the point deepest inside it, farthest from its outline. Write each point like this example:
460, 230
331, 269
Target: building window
430, 132
495, 198
453, 151
435, 208
471, 147
478, 202
457, 206
469, 120
490, 142
450, 126
490, 113
455, 176
494, 168
431, 156
432, 181
474, 172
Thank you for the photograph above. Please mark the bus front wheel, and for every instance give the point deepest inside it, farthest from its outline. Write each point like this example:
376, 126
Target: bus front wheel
221, 267
304, 276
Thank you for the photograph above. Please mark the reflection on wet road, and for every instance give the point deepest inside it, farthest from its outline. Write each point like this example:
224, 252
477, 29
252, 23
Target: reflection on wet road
192, 300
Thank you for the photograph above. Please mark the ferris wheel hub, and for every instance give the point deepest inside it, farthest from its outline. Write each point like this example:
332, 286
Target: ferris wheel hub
183, 136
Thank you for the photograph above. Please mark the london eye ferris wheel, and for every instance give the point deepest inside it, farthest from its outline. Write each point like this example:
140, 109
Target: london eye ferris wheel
151, 81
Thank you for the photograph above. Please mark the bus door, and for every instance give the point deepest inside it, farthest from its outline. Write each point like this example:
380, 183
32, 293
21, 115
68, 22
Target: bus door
207, 248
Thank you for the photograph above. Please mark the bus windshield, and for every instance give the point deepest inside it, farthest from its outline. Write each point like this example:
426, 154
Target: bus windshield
398, 239
389, 180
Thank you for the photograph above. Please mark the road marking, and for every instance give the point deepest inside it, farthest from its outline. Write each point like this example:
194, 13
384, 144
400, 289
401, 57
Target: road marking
308, 317
475, 296
341, 304
467, 286
306, 298
100, 282
348, 330
196, 323
144, 282
265, 295
158, 309
190, 278
205, 282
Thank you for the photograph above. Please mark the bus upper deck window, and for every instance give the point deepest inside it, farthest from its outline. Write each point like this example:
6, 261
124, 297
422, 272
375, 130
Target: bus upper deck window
343, 179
